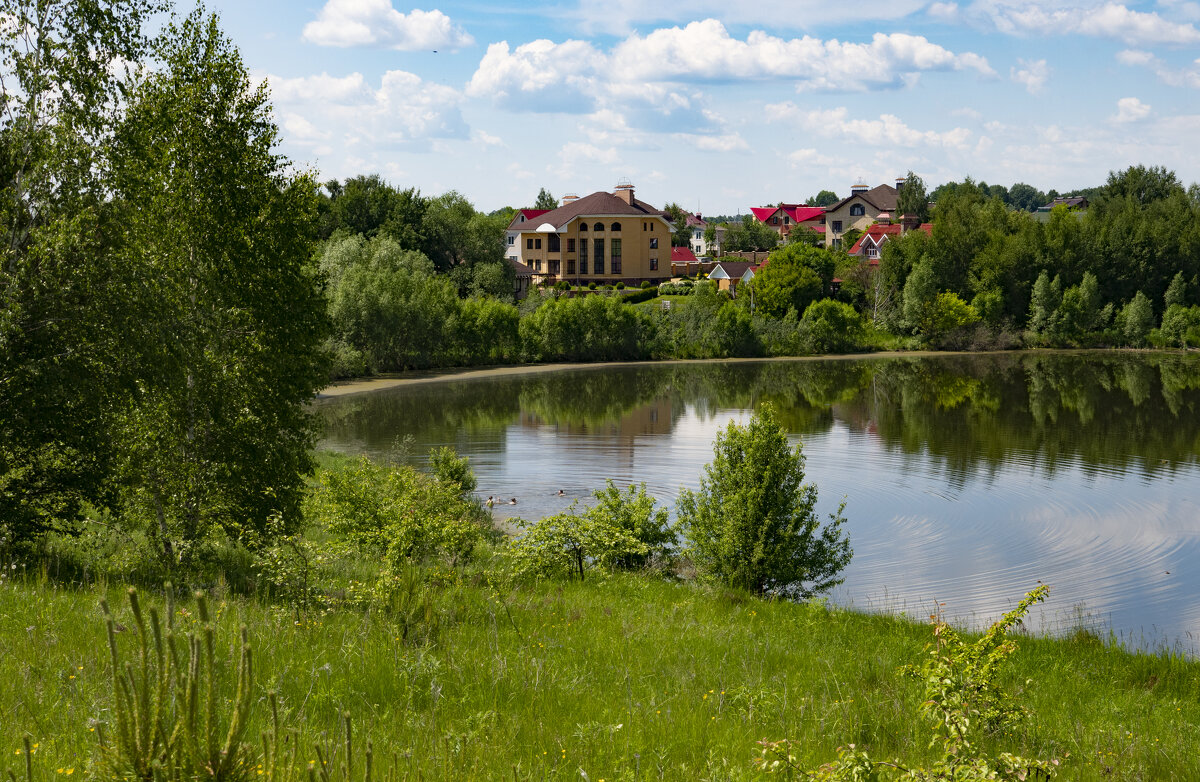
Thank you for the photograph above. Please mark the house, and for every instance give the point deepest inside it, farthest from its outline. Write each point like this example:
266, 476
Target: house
1071, 202
523, 276
785, 218
871, 242
728, 274
696, 226
603, 238
511, 248
684, 261
859, 210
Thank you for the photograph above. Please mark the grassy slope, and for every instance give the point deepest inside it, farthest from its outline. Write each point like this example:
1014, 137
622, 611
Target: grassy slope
621, 678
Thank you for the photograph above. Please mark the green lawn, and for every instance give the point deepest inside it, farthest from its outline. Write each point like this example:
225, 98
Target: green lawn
623, 677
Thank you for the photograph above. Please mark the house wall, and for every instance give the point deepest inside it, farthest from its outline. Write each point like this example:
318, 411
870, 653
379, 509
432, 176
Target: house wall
847, 221
639, 260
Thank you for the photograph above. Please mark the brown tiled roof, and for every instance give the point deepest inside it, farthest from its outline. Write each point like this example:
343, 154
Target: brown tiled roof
882, 198
521, 269
600, 203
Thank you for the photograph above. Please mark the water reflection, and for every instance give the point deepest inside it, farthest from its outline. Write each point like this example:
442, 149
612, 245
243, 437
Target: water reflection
967, 477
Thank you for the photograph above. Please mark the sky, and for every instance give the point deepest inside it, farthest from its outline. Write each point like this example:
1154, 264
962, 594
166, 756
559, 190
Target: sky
722, 106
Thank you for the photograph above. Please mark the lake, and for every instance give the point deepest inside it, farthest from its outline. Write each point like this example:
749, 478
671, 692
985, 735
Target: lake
967, 479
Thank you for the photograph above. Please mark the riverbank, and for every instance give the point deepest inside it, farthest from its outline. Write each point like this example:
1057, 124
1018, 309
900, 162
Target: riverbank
419, 376
625, 677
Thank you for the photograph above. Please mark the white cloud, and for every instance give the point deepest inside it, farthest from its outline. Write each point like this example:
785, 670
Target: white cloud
403, 110
378, 23
539, 76
727, 142
1131, 110
1176, 77
888, 131
1033, 74
1110, 20
486, 139
947, 12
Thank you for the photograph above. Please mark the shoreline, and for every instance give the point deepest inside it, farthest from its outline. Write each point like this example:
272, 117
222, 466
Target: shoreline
418, 376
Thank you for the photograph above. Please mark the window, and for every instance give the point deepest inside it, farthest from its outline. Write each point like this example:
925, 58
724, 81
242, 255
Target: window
857, 210
615, 227
511, 240
616, 265
528, 244
837, 226
570, 267
774, 221
570, 245
554, 267
787, 220
583, 255
598, 256
654, 243
583, 226
653, 264
598, 227
645, 226
553, 243
872, 252
537, 265
537, 244
616, 256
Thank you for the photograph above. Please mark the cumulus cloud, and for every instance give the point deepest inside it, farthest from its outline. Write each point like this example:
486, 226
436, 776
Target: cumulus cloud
1033, 74
1176, 77
403, 110
1110, 20
659, 71
887, 131
1131, 110
378, 23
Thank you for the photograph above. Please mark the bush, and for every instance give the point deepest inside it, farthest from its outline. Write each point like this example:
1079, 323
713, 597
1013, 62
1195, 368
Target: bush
567, 544
397, 512
591, 286
833, 327
620, 286
633, 512
646, 284
638, 296
753, 524
452, 470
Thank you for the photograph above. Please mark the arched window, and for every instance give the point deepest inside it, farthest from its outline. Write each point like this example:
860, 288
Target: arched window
857, 210
582, 226
598, 227
615, 227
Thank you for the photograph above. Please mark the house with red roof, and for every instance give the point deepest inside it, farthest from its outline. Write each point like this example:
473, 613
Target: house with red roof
859, 210
871, 242
785, 218
684, 261
511, 249
602, 238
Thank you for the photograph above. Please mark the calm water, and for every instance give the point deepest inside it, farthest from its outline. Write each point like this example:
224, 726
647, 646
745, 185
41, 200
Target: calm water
966, 479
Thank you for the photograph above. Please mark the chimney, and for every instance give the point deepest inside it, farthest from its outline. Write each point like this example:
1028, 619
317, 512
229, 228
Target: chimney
884, 218
568, 198
900, 183
624, 191
858, 188
909, 222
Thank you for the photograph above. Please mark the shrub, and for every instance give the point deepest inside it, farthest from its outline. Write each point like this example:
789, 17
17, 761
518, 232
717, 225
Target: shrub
566, 544
963, 701
451, 469
638, 296
646, 284
397, 512
620, 286
591, 286
753, 524
633, 512
833, 327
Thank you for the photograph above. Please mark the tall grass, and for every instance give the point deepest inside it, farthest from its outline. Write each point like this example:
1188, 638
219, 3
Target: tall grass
623, 677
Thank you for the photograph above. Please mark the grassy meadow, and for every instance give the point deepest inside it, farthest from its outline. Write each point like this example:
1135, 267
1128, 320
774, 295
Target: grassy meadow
618, 677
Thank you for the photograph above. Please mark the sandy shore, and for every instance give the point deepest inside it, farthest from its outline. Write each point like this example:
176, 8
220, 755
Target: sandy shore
366, 385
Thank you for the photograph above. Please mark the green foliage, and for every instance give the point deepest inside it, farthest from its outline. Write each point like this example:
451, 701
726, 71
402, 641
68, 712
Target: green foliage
749, 235
833, 327
567, 544
796, 276
1043, 307
590, 328
912, 199
545, 200
164, 720
824, 198
396, 512
707, 324
963, 703
452, 470
217, 438
753, 524
931, 314
681, 235
1181, 326
633, 512
1176, 292
1136, 319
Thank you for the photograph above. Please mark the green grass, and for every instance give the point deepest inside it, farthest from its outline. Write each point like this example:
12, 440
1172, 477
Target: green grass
623, 677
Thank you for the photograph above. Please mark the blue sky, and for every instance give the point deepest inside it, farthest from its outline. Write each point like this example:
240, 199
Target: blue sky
722, 106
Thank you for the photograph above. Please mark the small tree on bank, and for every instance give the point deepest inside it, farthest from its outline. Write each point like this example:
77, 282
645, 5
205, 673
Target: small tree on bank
753, 524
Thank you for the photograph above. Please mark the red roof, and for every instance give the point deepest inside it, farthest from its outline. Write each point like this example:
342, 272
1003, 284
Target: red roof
528, 214
763, 213
806, 214
683, 255
877, 233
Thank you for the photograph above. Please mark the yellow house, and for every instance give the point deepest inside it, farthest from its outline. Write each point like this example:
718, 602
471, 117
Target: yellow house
603, 238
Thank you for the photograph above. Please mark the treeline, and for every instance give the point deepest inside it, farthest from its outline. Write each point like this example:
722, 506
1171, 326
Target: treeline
1104, 276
